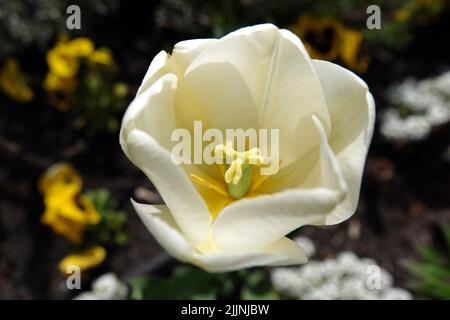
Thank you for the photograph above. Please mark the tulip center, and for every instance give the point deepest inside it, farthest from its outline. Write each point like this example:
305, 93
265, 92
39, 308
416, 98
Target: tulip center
239, 177
239, 168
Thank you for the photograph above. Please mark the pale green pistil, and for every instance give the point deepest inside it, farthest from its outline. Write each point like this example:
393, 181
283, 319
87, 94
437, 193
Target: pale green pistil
238, 174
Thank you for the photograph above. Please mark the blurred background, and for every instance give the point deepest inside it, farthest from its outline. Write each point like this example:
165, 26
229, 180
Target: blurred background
65, 184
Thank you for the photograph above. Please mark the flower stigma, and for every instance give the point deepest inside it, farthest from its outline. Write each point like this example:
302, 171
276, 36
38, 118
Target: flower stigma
238, 175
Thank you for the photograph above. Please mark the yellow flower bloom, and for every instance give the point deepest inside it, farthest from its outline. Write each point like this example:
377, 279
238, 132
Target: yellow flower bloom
53, 82
63, 59
352, 51
12, 82
321, 36
60, 173
66, 211
328, 39
102, 56
59, 90
80, 47
62, 62
85, 260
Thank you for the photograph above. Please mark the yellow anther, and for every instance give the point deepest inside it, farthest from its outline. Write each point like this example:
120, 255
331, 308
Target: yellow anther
224, 152
234, 172
254, 157
235, 160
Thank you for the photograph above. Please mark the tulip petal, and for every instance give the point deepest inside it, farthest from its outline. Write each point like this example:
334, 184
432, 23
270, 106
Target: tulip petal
182, 55
156, 69
185, 52
278, 73
184, 202
326, 172
292, 95
216, 94
161, 225
152, 113
283, 252
251, 224
352, 111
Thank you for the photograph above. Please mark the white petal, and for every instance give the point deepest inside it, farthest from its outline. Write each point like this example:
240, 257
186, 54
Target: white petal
327, 172
184, 202
161, 225
152, 112
254, 223
352, 111
318, 168
251, 30
156, 69
281, 253
185, 52
278, 73
291, 96
182, 55
216, 93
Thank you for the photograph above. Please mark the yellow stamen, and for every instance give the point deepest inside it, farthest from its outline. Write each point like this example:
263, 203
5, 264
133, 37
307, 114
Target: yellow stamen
225, 152
237, 169
210, 184
258, 181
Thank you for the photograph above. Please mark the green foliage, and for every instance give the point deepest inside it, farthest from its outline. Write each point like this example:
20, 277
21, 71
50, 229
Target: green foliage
256, 286
110, 230
99, 101
431, 274
185, 283
188, 282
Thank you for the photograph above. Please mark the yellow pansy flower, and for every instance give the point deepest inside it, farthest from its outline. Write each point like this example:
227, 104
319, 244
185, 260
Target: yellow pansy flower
63, 59
80, 47
352, 50
60, 173
102, 56
85, 260
53, 82
320, 35
328, 39
67, 212
12, 82
59, 90
62, 62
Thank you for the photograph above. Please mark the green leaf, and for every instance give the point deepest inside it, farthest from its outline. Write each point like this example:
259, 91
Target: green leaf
186, 282
432, 255
110, 230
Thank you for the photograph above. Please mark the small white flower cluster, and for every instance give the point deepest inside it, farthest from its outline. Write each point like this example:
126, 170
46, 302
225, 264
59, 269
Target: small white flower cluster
307, 245
106, 287
345, 278
427, 101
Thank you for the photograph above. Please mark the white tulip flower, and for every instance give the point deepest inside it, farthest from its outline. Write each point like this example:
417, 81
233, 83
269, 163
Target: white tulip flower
227, 217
